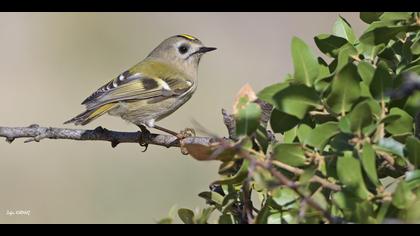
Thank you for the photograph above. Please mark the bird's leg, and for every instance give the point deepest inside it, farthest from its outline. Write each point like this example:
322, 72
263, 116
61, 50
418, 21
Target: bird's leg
166, 131
188, 132
144, 135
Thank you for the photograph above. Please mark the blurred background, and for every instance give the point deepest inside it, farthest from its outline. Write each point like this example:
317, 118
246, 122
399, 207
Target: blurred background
50, 62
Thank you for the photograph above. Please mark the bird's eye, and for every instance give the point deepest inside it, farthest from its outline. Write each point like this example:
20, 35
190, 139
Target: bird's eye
183, 49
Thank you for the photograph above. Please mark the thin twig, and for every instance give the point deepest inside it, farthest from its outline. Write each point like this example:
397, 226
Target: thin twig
37, 133
288, 183
324, 183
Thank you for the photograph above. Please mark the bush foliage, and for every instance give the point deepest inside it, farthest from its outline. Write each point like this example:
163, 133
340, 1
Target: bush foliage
334, 142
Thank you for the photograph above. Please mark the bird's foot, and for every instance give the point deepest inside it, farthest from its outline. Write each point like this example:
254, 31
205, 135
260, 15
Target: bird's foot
143, 137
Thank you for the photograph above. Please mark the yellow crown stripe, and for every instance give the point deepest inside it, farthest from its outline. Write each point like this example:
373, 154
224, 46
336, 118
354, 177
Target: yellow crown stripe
187, 36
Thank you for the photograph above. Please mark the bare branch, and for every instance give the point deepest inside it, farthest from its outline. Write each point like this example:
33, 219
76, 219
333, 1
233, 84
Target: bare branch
37, 133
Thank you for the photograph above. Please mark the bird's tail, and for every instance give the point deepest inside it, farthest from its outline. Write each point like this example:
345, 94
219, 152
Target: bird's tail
91, 114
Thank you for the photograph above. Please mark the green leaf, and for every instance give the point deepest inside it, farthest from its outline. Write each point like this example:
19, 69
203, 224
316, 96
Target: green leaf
413, 151
345, 89
403, 197
350, 174
368, 159
413, 179
304, 61
354, 209
415, 47
268, 92
238, 177
415, 69
212, 197
366, 72
400, 126
412, 105
274, 218
248, 119
391, 16
303, 131
369, 17
281, 122
346, 55
329, 44
381, 84
205, 215
343, 29
285, 197
296, 100
165, 221
382, 34
186, 215
227, 218
370, 52
290, 153
392, 146
290, 135
359, 118
321, 134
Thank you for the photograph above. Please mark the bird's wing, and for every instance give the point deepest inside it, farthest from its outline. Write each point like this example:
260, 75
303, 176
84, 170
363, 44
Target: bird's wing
136, 86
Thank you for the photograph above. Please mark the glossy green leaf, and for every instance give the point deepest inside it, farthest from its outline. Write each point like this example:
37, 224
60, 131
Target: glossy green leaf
343, 29
304, 61
290, 135
412, 105
354, 209
413, 179
415, 47
227, 218
268, 92
391, 16
296, 100
283, 196
275, 218
165, 221
400, 126
369, 17
381, 84
238, 177
303, 132
321, 134
186, 215
205, 215
381, 34
370, 52
368, 159
403, 197
248, 119
345, 89
413, 151
212, 197
290, 153
366, 72
392, 146
360, 117
349, 172
281, 122
346, 55
329, 44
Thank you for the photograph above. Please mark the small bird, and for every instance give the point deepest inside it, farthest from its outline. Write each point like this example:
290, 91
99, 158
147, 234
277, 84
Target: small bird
152, 89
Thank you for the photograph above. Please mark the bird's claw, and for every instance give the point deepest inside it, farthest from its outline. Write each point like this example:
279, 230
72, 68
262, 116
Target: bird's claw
144, 135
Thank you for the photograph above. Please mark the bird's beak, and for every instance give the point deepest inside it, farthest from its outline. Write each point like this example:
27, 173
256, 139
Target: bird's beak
206, 49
